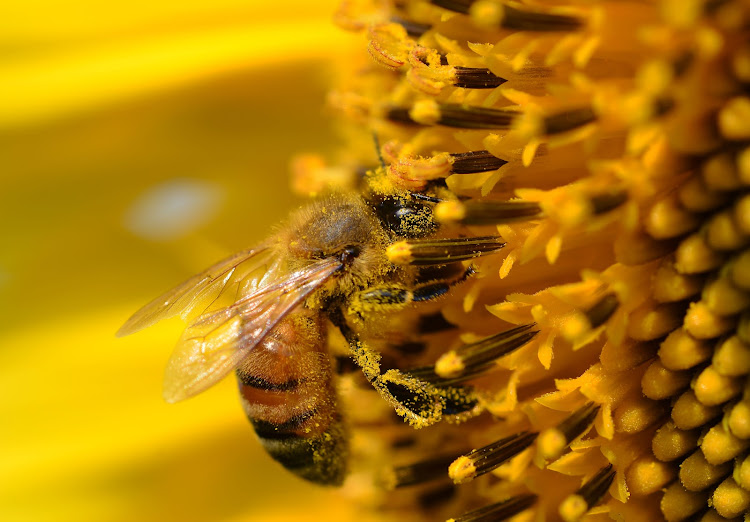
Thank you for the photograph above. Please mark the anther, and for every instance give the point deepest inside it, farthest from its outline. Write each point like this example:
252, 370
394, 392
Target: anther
568, 120
475, 161
441, 251
598, 314
553, 441
486, 212
458, 116
602, 203
476, 78
417, 473
518, 19
499, 511
412, 28
477, 357
483, 460
575, 506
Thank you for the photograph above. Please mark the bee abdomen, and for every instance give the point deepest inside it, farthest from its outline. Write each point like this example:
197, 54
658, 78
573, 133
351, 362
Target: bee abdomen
321, 459
283, 430
260, 383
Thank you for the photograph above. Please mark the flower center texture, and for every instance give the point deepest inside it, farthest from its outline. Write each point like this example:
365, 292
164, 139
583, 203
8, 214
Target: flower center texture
607, 344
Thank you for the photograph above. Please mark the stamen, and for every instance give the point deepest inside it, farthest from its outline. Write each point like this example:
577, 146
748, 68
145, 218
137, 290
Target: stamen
483, 460
477, 357
603, 310
568, 120
552, 442
413, 29
486, 212
518, 19
499, 511
476, 78
577, 505
475, 161
458, 116
417, 473
441, 251
605, 202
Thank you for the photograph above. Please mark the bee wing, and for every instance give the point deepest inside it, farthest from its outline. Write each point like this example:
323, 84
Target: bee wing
201, 289
216, 342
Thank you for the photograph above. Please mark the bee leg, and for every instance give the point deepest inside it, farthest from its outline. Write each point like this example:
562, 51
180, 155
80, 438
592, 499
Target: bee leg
418, 402
394, 297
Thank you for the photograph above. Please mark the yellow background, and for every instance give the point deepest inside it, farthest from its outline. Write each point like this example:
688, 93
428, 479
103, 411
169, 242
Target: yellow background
99, 104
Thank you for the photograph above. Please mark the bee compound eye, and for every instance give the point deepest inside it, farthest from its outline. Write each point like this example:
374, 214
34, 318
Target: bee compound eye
349, 254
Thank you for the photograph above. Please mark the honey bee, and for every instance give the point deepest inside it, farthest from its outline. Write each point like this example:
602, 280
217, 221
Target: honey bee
265, 313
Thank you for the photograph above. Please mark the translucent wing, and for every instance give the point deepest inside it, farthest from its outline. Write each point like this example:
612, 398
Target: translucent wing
198, 291
216, 342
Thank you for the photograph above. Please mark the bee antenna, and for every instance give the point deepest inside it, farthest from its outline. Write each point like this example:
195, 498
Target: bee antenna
376, 140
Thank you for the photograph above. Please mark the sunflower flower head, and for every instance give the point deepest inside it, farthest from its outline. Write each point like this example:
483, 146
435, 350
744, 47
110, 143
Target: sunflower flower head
607, 346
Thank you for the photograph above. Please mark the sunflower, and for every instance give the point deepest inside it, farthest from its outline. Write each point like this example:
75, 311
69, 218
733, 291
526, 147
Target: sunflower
605, 143
606, 346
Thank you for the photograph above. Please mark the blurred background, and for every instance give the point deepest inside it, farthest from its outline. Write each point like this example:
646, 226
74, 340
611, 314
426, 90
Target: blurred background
139, 143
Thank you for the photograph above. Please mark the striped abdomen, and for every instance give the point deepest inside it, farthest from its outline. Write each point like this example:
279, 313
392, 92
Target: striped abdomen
287, 391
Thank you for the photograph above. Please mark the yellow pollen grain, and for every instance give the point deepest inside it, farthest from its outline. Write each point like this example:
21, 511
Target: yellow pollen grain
426, 112
702, 323
449, 212
720, 173
681, 351
575, 326
573, 508
650, 323
551, 444
734, 119
670, 286
696, 196
399, 253
660, 383
668, 219
635, 415
678, 503
720, 446
730, 500
486, 14
732, 358
648, 475
688, 412
694, 256
723, 298
462, 470
722, 233
449, 365
696, 473
739, 420
670, 442
712, 388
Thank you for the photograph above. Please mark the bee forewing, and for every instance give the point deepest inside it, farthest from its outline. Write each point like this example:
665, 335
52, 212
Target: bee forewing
198, 292
216, 342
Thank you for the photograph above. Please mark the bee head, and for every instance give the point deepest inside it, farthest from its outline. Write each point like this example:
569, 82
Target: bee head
341, 227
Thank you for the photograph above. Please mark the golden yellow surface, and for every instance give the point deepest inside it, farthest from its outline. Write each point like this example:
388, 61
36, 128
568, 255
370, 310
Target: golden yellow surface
101, 103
